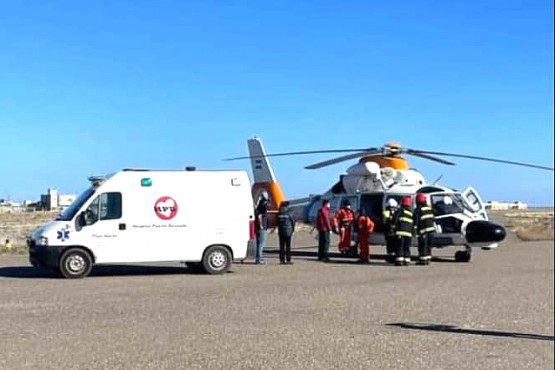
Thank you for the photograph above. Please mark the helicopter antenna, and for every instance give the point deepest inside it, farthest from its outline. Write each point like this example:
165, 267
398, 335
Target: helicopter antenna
437, 180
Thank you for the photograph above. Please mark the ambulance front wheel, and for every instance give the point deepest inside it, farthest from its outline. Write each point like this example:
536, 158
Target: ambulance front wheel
216, 260
75, 263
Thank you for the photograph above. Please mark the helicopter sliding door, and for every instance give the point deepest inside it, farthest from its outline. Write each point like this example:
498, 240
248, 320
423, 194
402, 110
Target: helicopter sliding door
373, 206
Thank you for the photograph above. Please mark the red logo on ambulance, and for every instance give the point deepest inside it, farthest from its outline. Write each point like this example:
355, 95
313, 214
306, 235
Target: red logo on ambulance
165, 208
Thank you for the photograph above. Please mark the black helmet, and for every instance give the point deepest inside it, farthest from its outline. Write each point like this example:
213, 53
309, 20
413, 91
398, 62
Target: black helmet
346, 203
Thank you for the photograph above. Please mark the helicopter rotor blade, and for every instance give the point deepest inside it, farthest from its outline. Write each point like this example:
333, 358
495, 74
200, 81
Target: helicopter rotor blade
335, 160
418, 153
387, 151
303, 153
489, 159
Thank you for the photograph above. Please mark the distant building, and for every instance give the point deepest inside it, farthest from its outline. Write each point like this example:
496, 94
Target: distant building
9, 203
9, 206
495, 205
52, 200
518, 205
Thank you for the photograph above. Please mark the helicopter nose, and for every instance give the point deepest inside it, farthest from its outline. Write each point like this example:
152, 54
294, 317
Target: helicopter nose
484, 231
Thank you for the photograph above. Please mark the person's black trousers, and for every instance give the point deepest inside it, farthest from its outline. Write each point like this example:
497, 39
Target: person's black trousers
425, 242
284, 248
323, 244
402, 252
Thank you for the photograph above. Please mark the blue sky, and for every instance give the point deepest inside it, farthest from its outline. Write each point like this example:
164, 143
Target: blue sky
91, 87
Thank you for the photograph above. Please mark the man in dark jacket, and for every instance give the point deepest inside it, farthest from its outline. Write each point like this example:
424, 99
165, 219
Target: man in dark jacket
324, 226
286, 226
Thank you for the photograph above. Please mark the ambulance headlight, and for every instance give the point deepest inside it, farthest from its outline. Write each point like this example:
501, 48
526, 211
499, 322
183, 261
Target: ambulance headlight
42, 241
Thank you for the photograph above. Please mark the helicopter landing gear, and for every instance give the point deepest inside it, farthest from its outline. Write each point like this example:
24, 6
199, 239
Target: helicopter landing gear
463, 256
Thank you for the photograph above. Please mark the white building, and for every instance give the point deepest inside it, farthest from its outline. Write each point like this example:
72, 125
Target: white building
53, 200
496, 205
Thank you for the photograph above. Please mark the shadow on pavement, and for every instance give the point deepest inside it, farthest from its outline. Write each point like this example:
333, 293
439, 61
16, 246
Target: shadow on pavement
346, 259
26, 272
29, 272
457, 330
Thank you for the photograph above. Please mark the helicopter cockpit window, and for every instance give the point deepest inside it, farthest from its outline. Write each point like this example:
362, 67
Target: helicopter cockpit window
446, 204
465, 204
473, 202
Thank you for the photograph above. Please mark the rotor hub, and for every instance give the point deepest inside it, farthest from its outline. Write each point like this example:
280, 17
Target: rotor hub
397, 163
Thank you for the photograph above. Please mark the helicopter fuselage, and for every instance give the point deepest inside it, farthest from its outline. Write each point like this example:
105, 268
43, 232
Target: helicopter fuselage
452, 220
460, 217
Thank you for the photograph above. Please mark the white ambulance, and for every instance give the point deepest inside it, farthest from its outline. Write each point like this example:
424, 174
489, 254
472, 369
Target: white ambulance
202, 218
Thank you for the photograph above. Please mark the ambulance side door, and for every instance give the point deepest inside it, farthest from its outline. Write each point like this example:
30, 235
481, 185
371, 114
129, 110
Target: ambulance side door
104, 230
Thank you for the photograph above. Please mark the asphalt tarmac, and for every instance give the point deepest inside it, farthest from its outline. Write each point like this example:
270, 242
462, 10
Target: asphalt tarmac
495, 312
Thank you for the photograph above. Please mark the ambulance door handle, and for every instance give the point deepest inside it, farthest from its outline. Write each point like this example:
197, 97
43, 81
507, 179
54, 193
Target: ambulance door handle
122, 226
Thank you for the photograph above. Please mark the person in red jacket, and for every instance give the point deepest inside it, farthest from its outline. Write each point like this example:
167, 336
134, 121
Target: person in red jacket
344, 218
365, 227
323, 224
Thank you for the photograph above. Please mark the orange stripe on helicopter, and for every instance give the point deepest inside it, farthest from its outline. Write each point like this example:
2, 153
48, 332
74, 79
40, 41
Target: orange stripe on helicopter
397, 163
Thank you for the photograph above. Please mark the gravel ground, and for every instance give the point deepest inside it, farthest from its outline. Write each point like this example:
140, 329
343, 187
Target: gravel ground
495, 312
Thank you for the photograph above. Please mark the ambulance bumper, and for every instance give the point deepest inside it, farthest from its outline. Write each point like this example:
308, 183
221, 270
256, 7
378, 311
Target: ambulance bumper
43, 256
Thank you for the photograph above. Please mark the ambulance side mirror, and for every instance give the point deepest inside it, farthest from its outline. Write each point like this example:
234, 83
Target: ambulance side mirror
80, 221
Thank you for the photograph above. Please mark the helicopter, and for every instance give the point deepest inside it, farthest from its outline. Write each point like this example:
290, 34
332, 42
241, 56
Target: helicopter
382, 173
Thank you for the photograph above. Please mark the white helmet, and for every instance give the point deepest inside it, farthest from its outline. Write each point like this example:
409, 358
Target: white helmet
391, 202
447, 200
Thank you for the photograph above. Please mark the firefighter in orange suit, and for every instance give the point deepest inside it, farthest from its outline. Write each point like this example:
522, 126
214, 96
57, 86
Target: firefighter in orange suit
365, 227
344, 218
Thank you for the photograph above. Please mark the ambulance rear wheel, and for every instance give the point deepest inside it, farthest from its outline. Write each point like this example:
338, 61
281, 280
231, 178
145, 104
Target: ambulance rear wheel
216, 260
75, 263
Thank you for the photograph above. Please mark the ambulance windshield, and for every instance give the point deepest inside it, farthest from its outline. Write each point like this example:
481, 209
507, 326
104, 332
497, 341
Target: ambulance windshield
69, 212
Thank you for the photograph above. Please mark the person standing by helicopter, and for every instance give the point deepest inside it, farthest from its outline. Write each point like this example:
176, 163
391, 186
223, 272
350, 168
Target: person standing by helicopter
425, 229
344, 218
324, 226
389, 229
365, 227
403, 221
286, 227
261, 214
